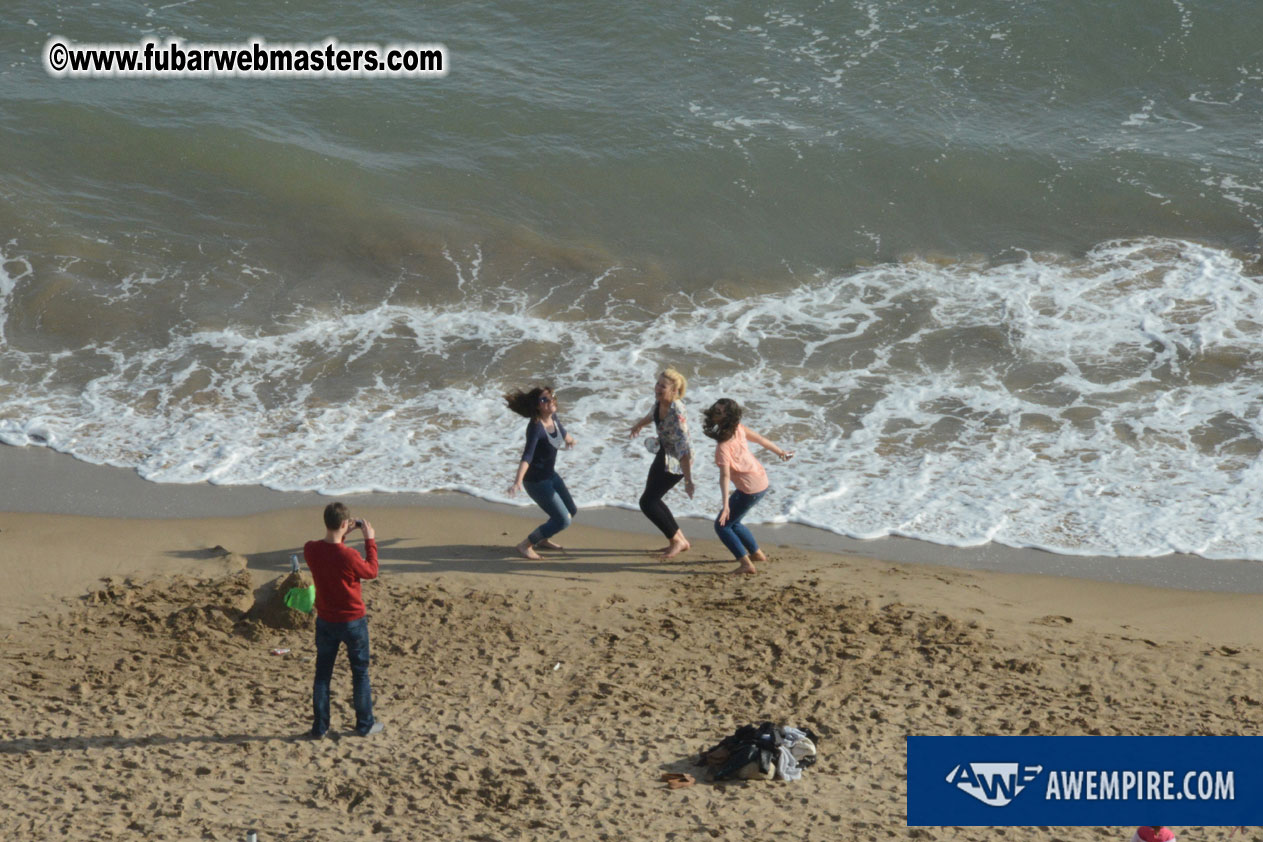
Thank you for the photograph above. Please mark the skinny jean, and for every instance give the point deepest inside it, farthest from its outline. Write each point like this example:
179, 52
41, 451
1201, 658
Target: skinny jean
735, 535
551, 496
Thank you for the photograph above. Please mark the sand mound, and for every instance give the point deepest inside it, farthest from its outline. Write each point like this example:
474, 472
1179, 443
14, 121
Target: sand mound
190, 608
185, 608
271, 608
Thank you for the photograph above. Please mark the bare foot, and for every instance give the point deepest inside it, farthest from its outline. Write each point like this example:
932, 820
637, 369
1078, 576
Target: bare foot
525, 550
746, 566
547, 544
758, 555
674, 549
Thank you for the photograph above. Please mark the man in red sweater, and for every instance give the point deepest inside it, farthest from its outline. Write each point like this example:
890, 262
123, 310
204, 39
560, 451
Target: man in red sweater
336, 570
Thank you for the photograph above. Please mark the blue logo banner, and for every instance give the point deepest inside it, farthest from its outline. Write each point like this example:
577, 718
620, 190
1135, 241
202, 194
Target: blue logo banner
1084, 781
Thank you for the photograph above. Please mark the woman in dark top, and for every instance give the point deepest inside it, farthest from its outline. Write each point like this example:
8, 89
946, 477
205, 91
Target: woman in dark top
674, 459
536, 472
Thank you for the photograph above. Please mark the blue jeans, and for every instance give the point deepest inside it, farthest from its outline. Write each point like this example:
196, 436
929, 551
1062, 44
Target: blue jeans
551, 496
329, 636
734, 534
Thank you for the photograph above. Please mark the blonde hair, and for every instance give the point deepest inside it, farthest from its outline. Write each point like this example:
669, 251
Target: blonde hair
677, 380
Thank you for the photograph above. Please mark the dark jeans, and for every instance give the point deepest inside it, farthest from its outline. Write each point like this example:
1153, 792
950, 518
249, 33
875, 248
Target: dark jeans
734, 534
329, 636
551, 496
656, 487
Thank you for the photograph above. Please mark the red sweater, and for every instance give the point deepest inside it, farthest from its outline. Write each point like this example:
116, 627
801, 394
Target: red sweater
336, 570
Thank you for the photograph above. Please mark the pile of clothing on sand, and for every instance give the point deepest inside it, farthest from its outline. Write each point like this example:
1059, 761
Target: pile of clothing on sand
761, 752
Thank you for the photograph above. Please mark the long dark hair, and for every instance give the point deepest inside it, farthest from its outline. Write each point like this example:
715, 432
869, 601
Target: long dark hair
721, 420
525, 403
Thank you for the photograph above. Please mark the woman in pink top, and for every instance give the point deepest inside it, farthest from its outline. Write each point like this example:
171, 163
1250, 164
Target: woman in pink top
737, 465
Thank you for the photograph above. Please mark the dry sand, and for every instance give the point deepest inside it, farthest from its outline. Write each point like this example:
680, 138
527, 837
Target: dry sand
543, 700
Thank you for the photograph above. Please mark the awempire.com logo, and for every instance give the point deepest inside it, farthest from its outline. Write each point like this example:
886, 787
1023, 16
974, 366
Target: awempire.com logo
995, 784
1086, 781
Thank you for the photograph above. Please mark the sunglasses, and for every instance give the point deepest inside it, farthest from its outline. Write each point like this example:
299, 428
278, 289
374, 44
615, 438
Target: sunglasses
547, 399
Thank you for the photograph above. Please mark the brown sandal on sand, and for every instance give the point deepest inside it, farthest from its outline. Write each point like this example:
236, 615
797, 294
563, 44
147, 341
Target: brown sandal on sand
678, 780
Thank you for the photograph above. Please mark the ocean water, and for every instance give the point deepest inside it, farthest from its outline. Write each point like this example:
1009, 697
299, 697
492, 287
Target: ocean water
992, 269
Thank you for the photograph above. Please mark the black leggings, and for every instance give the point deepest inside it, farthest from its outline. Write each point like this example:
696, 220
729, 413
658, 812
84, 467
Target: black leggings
656, 487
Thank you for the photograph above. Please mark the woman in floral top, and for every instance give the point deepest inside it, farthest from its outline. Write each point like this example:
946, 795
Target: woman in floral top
673, 462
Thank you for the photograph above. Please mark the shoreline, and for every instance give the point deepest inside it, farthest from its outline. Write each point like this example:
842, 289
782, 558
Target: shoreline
59, 484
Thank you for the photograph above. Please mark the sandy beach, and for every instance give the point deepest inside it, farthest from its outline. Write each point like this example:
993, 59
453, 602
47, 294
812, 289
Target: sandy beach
545, 699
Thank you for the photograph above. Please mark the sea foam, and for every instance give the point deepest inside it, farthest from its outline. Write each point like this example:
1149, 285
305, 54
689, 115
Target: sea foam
1108, 404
